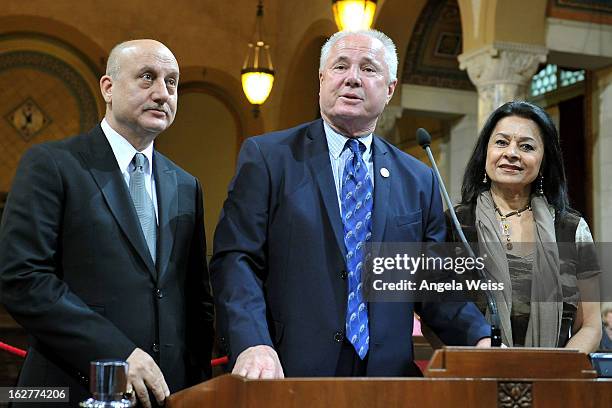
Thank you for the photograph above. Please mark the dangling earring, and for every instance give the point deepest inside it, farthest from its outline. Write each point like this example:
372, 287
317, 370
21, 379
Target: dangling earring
484, 179
540, 189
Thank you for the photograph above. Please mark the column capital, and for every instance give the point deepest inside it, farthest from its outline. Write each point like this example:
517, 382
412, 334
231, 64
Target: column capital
385, 125
503, 63
501, 72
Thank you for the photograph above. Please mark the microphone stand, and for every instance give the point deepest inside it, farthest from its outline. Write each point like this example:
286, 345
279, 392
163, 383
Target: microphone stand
424, 139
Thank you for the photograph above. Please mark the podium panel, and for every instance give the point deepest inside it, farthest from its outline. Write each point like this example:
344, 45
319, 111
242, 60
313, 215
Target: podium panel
529, 378
518, 362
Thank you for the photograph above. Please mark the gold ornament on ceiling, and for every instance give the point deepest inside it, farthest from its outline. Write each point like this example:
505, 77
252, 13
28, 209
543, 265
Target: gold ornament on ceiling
28, 119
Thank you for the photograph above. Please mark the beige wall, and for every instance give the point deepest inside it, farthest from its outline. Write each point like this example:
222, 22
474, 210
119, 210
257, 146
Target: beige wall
202, 140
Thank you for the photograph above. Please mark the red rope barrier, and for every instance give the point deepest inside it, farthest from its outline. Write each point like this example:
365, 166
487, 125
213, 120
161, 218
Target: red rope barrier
13, 350
22, 353
219, 361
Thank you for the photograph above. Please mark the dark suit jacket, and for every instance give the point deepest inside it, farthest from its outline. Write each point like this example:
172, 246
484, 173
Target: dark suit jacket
279, 257
76, 273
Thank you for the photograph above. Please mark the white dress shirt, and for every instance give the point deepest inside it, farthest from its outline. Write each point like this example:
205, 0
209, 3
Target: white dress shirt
124, 153
339, 154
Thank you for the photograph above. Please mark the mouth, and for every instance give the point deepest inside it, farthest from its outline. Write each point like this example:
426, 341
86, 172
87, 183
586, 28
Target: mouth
510, 167
351, 96
157, 112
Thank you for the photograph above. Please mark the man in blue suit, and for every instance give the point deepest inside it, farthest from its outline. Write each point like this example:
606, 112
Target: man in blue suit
289, 245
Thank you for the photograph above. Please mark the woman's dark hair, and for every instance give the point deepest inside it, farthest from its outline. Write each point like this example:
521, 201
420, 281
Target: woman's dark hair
555, 183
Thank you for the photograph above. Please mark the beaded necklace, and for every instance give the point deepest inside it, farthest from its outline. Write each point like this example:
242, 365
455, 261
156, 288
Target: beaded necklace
504, 224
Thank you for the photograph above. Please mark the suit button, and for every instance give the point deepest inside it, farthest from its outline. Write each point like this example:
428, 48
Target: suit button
338, 337
158, 293
155, 348
343, 274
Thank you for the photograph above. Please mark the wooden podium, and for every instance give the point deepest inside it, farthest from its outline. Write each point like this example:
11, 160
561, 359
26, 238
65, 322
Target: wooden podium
455, 377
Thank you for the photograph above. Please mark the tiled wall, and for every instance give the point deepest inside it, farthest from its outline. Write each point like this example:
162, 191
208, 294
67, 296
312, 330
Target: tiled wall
43, 99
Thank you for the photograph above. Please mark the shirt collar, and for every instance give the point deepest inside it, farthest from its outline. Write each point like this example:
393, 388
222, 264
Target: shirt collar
122, 149
336, 141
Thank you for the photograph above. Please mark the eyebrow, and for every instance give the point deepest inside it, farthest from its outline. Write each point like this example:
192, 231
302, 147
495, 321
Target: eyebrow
150, 68
363, 59
506, 135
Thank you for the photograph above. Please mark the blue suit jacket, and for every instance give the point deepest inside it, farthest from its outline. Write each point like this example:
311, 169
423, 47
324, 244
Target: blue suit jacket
278, 262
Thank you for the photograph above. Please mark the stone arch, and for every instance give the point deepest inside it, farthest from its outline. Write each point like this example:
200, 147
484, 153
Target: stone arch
229, 90
300, 101
431, 55
398, 22
58, 33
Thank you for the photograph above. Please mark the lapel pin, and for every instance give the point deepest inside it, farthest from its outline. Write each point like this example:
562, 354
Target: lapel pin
384, 172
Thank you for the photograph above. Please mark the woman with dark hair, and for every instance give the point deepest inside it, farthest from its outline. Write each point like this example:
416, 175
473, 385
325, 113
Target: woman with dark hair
514, 204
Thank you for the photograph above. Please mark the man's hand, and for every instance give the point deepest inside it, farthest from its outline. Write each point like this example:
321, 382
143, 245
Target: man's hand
143, 373
259, 362
486, 342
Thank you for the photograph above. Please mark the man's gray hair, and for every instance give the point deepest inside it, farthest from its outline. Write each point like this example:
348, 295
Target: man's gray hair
388, 45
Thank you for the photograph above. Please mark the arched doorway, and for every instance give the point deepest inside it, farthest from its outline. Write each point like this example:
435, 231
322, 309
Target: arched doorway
203, 140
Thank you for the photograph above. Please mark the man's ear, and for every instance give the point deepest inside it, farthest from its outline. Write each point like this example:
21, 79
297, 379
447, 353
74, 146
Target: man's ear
391, 90
106, 88
320, 82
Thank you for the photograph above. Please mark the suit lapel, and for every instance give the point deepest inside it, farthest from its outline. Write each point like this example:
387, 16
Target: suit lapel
167, 203
381, 189
319, 162
379, 219
317, 155
107, 175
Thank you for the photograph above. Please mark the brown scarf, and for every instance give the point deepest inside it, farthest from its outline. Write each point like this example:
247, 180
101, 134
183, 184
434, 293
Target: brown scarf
546, 292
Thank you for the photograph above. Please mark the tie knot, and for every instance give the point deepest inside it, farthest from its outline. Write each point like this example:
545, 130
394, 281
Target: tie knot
356, 146
139, 161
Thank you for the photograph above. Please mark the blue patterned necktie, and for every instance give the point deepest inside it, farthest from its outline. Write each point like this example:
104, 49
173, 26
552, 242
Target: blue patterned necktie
356, 204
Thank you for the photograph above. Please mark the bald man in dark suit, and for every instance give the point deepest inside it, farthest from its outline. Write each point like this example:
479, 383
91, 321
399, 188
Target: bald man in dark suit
102, 247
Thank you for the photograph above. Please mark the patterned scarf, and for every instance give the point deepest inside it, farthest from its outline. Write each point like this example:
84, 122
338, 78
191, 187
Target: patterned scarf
546, 305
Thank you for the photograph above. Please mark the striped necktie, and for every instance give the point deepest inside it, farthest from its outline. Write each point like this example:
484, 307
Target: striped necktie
143, 203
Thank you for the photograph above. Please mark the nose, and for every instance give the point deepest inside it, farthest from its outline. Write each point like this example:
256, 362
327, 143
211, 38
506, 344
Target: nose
160, 92
353, 78
511, 151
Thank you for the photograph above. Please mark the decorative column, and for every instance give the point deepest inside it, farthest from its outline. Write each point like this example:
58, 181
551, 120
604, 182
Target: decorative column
501, 72
463, 136
602, 163
385, 126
